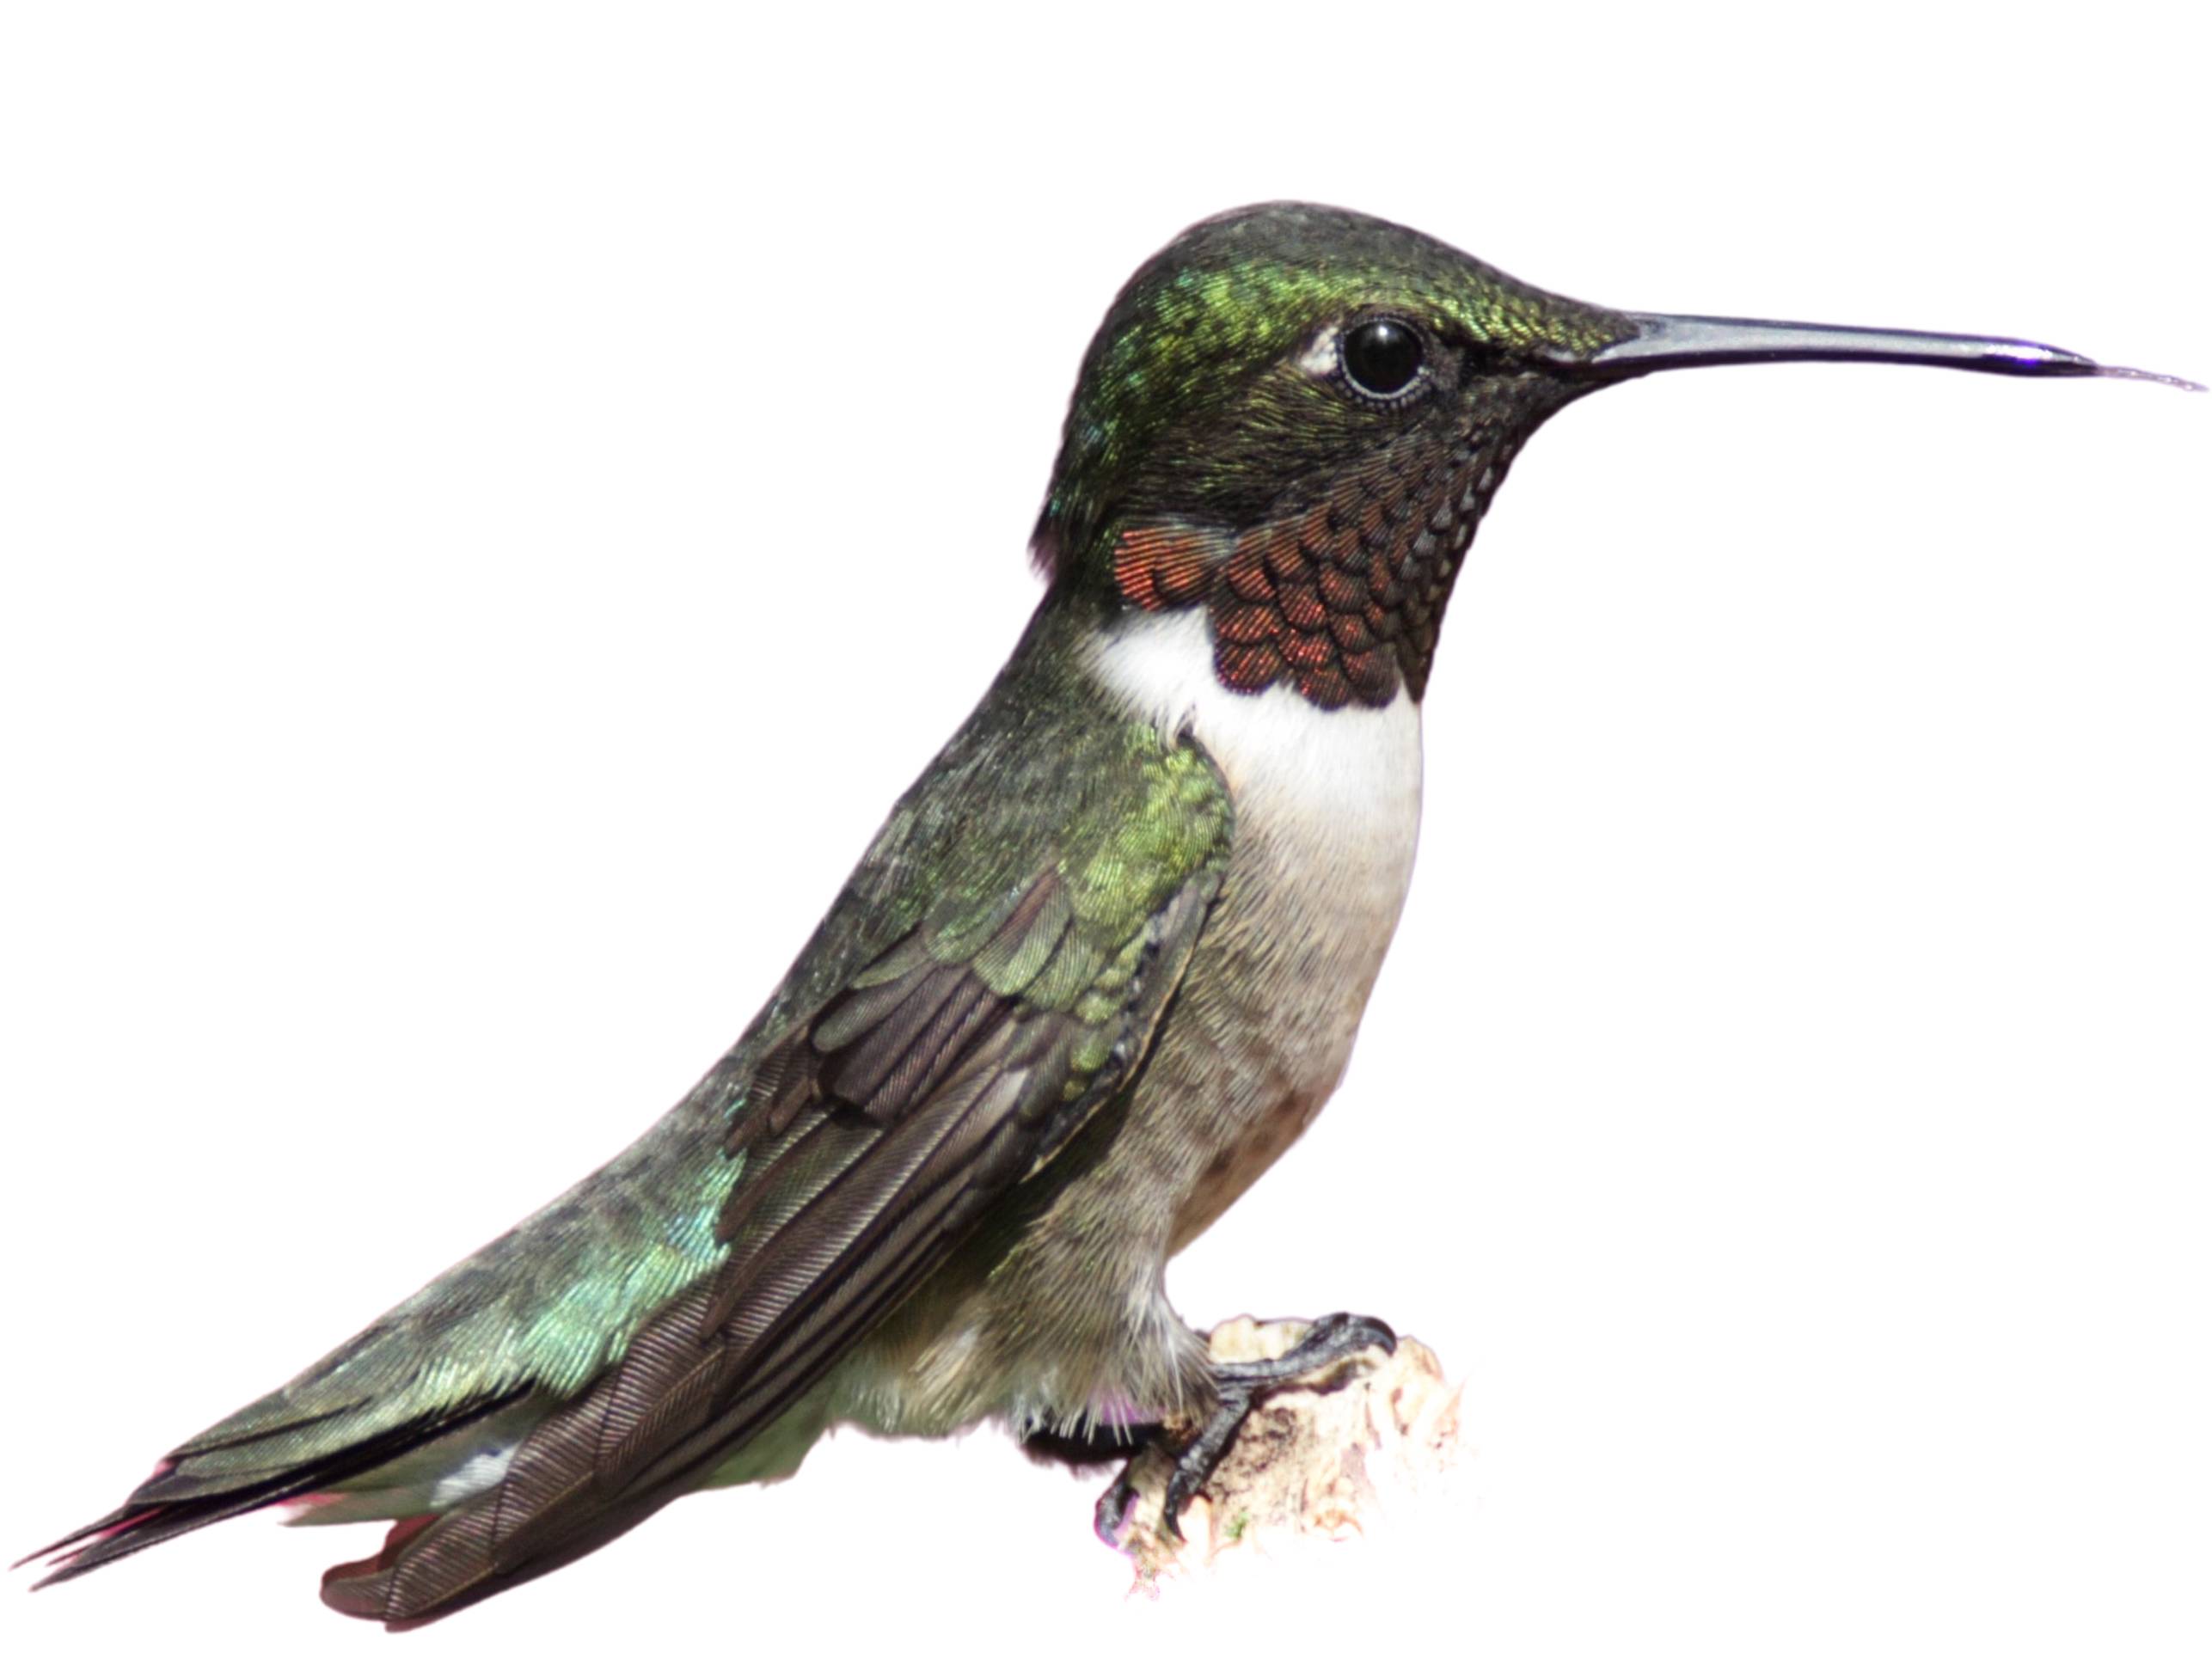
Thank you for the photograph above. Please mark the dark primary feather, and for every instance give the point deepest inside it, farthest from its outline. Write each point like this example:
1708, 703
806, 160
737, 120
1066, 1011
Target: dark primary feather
994, 970
918, 1109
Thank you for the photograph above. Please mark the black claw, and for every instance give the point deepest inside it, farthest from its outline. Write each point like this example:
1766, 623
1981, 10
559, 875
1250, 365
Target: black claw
1331, 1337
1111, 1512
1240, 1384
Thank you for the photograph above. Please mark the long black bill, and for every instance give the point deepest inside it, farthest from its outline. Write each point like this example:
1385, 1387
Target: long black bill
1664, 342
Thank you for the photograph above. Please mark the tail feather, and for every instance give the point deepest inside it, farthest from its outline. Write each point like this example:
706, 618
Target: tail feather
399, 1418
712, 1368
165, 1506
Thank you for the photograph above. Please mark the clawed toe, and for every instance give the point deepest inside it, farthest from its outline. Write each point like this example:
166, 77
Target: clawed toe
1331, 1337
1112, 1513
1240, 1384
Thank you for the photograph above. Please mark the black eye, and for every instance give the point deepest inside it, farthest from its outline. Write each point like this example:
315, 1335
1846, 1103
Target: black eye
1382, 357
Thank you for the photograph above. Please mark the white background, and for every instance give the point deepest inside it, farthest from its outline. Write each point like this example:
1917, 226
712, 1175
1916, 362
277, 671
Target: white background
497, 501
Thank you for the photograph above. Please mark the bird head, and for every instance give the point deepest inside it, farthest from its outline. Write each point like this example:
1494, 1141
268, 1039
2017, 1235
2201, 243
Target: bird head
1295, 416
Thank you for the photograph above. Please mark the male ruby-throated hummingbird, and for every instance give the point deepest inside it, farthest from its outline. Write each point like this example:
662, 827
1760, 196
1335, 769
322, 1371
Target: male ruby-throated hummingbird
1103, 963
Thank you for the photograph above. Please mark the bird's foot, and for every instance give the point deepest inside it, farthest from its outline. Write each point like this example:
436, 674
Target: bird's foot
1239, 1385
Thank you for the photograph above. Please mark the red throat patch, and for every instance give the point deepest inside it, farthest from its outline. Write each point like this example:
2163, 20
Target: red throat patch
1340, 599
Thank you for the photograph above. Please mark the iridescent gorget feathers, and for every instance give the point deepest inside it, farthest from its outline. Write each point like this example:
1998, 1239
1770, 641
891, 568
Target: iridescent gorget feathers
1341, 597
1216, 452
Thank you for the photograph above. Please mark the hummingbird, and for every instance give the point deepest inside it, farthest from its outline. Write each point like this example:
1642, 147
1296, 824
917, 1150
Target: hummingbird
1103, 963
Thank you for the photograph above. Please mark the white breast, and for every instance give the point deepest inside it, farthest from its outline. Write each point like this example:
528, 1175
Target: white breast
1341, 787
1328, 810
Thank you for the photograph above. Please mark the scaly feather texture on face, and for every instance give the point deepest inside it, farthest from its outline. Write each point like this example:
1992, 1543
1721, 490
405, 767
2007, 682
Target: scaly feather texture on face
1214, 453
1341, 599
1236, 296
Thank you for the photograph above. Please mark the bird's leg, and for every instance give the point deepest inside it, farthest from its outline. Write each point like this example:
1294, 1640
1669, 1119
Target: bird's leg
1238, 1385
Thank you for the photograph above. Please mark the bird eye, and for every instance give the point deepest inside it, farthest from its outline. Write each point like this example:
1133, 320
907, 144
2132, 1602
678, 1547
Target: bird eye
1382, 357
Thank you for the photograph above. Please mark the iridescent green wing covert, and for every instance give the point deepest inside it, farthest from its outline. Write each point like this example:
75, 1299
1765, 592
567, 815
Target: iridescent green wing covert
874, 1131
